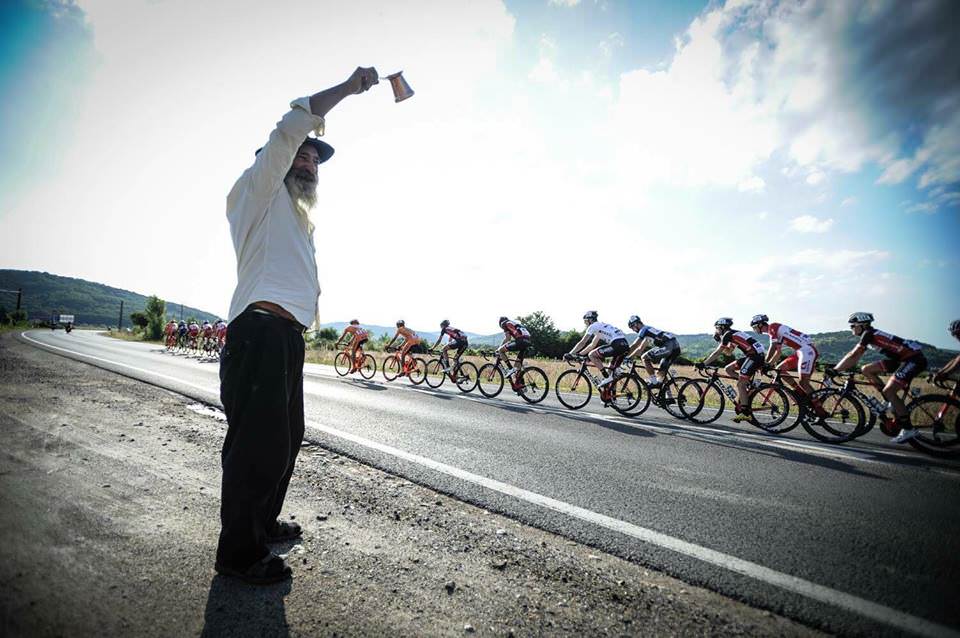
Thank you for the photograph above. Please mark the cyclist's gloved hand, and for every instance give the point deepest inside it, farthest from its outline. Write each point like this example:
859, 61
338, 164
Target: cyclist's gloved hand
830, 371
568, 357
699, 365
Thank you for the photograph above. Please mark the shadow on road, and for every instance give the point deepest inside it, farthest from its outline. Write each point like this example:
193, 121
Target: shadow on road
236, 609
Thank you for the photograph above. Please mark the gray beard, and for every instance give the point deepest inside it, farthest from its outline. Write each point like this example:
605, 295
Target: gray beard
302, 189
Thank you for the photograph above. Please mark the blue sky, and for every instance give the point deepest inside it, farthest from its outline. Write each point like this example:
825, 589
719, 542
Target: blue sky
676, 160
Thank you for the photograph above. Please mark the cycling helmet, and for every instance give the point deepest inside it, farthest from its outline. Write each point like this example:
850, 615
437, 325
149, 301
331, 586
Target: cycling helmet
354, 322
955, 327
503, 320
444, 323
860, 317
590, 314
633, 319
723, 322
759, 319
400, 323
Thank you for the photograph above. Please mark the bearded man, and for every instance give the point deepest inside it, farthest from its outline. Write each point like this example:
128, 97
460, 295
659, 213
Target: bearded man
261, 366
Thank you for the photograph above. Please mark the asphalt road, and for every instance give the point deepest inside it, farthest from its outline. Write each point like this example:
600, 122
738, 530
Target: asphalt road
859, 539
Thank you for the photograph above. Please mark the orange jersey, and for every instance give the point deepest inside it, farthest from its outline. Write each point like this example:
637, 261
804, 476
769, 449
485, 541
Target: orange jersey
357, 332
408, 335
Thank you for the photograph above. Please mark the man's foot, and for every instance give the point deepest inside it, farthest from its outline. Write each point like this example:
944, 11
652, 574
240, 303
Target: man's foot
655, 383
905, 435
270, 569
605, 381
284, 531
742, 415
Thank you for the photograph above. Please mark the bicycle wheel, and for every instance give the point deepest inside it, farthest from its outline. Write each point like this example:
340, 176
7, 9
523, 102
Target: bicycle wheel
629, 395
671, 399
466, 376
844, 420
341, 363
369, 367
391, 367
490, 380
937, 416
574, 389
418, 372
435, 373
533, 385
769, 407
710, 401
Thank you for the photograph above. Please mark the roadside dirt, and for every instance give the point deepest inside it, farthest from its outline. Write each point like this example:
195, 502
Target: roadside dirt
109, 494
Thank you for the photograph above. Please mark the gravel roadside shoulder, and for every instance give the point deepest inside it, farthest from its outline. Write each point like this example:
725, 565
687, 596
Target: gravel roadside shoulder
109, 494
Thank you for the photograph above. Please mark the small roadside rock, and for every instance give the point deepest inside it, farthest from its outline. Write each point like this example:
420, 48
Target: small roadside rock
451, 586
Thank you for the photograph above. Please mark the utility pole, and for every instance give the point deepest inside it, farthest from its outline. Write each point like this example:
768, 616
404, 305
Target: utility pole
120, 320
19, 295
181, 312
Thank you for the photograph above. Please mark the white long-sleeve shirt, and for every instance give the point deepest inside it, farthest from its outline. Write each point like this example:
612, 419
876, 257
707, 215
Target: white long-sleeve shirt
276, 259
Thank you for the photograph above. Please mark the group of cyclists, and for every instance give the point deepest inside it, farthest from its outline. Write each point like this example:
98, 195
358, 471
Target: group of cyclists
206, 339
658, 350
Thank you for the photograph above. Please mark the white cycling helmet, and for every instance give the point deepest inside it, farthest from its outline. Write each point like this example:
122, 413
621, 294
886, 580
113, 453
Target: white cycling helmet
860, 317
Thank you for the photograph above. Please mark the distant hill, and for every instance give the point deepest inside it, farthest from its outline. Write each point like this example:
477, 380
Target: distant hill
91, 303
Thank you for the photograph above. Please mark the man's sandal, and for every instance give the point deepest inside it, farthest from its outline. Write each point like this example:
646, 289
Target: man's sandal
284, 531
270, 569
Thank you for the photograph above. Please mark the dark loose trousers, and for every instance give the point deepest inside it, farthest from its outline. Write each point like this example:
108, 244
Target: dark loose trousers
261, 388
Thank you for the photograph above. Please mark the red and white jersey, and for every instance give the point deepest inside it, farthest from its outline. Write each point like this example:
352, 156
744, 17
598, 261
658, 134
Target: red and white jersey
785, 335
170, 329
193, 329
607, 333
207, 330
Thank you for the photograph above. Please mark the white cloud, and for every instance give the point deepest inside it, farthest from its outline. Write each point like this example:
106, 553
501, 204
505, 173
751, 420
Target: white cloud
752, 184
544, 72
810, 224
897, 171
849, 201
564, 3
816, 177
609, 44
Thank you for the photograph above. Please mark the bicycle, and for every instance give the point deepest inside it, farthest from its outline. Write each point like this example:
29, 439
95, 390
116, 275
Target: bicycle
667, 396
412, 367
769, 404
937, 416
530, 382
365, 364
623, 393
847, 411
804, 411
464, 373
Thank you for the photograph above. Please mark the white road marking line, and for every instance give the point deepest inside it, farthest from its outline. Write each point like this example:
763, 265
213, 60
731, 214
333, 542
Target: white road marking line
808, 589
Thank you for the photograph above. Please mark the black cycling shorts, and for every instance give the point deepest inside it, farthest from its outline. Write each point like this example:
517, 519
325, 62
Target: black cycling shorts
905, 371
458, 344
666, 354
615, 348
519, 346
750, 365
360, 343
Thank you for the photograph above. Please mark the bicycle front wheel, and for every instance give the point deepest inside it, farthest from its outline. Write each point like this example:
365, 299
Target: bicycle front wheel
369, 367
710, 401
391, 367
574, 389
533, 385
341, 363
769, 407
466, 376
490, 380
670, 397
628, 395
418, 371
435, 373
937, 417
843, 420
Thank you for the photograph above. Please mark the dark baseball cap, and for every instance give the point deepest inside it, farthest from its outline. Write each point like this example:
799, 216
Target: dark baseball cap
324, 150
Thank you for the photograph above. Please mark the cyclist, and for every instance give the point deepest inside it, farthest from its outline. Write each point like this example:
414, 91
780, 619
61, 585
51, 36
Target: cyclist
601, 340
516, 338
355, 336
803, 359
193, 330
410, 339
207, 330
954, 363
744, 367
170, 331
456, 340
653, 344
904, 360
220, 327
182, 334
